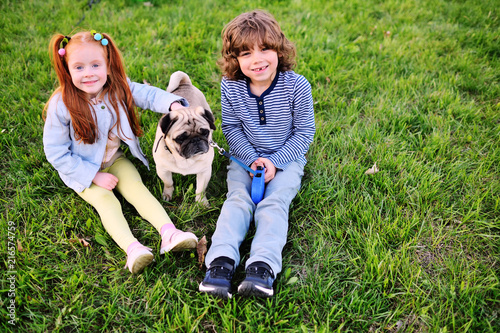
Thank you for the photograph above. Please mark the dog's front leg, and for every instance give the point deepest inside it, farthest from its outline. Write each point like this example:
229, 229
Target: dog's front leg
202, 180
168, 184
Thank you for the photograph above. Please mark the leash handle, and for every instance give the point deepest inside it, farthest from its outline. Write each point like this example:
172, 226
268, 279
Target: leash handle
258, 185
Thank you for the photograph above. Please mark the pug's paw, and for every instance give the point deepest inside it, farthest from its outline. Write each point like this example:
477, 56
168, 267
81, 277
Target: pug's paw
202, 200
167, 193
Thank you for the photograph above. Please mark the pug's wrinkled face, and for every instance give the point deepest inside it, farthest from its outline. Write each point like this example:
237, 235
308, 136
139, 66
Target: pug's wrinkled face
187, 131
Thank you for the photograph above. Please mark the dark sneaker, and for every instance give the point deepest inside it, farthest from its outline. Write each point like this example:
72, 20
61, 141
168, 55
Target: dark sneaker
258, 281
217, 280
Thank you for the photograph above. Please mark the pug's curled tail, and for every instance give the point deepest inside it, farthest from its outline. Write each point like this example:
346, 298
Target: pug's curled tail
176, 79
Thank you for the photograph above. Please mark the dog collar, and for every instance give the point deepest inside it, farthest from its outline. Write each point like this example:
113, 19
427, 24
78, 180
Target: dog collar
157, 144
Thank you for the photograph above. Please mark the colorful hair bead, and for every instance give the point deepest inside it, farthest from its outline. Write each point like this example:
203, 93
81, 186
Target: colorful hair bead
62, 45
98, 37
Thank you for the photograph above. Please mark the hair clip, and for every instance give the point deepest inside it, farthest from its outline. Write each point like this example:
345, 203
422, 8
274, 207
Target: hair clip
62, 45
98, 37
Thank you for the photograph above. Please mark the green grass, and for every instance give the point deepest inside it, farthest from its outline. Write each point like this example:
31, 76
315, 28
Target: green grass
413, 248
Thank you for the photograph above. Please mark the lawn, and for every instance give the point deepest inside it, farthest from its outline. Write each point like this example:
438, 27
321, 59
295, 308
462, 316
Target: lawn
412, 86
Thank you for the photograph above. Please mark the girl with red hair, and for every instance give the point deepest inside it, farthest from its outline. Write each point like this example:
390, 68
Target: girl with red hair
86, 119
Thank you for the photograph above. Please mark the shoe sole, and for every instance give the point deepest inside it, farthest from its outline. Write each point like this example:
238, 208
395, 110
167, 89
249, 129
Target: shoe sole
186, 244
215, 291
248, 289
141, 262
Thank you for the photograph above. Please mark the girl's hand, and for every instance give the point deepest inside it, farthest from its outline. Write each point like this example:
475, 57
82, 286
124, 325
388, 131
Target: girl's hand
175, 106
268, 165
105, 180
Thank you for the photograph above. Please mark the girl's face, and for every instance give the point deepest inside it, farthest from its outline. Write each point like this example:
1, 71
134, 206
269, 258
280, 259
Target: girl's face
259, 65
88, 68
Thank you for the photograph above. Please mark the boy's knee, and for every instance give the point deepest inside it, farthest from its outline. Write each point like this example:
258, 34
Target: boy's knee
239, 196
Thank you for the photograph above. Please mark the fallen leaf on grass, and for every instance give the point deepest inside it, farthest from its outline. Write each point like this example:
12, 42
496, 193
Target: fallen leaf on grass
373, 170
148, 4
201, 250
399, 325
81, 241
19, 246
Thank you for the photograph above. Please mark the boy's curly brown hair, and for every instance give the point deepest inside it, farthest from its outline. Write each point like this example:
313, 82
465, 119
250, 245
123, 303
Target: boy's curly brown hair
243, 32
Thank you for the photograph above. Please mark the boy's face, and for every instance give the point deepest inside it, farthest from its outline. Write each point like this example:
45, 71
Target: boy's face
259, 65
87, 67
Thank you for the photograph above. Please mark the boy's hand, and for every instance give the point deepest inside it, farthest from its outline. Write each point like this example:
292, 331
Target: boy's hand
268, 165
105, 180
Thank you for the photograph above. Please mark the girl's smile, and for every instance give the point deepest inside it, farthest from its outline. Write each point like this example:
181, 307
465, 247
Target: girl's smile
88, 67
89, 83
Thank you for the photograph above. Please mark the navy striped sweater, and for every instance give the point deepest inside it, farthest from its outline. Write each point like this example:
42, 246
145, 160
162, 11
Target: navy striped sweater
278, 125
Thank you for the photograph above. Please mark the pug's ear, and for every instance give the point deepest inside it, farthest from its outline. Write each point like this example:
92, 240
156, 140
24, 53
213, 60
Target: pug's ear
210, 118
166, 123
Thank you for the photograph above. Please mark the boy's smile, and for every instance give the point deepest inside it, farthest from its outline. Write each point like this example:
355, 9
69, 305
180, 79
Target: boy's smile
259, 64
261, 69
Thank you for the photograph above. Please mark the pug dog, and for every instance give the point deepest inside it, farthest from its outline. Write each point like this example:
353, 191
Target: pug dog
182, 142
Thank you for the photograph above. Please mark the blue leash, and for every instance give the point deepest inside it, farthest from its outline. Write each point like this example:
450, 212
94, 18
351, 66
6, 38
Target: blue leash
258, 184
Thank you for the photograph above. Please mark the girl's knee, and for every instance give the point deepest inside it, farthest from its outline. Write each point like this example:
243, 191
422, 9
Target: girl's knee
131, 186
